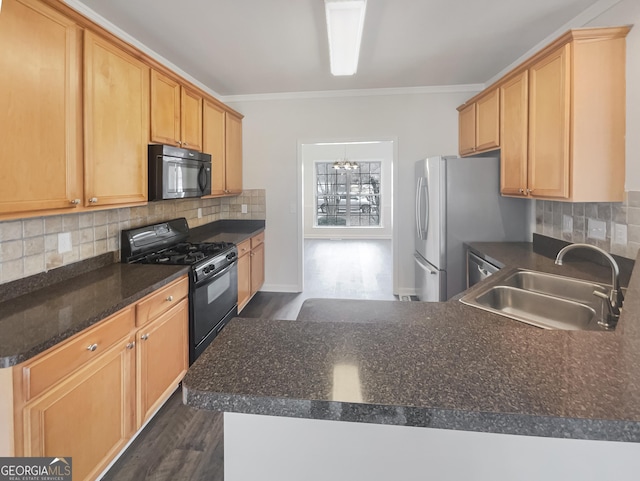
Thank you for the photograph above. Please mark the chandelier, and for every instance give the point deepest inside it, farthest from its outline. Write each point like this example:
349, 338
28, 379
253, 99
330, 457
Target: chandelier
345, 164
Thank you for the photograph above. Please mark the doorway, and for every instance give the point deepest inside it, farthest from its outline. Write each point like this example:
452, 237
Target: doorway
346, 235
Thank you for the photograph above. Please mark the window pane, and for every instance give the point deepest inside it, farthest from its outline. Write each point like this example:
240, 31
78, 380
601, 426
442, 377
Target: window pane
348, 197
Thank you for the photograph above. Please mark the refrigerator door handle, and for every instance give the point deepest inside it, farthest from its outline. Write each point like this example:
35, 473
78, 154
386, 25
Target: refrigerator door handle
424, 265
420, 191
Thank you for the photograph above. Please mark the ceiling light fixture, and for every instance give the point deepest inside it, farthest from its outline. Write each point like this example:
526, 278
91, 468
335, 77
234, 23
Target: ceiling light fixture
345, 21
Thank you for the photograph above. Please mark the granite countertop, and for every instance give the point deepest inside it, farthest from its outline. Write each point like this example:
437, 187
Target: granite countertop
234, 231
440, 365
35, 321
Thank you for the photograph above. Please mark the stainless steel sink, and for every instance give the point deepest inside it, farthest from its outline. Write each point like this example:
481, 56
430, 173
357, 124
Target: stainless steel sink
543, 300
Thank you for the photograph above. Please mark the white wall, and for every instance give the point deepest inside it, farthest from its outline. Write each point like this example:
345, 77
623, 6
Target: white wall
423, 124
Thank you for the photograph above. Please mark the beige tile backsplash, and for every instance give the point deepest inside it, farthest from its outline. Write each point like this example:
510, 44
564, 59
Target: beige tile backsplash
30, 246
551, 214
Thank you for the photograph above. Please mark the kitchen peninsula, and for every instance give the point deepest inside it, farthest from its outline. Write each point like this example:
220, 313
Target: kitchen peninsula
484, 383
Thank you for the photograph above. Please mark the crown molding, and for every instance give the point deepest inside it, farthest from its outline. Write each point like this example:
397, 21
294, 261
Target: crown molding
323, 94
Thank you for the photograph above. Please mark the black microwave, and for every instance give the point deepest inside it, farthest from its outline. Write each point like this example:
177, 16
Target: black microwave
176, 173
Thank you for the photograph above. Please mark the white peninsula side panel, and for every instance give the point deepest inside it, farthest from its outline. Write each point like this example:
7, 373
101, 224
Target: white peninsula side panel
271, 448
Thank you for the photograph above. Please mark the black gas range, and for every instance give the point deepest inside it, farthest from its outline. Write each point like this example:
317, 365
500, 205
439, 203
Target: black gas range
213, 278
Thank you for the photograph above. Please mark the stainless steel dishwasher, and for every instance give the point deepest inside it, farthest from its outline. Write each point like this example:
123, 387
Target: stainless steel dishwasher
478, 269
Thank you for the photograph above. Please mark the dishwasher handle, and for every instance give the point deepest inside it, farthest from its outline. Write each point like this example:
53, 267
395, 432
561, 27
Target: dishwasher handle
478, 269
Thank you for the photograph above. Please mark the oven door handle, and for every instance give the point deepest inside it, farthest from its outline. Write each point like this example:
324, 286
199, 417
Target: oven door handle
217, 274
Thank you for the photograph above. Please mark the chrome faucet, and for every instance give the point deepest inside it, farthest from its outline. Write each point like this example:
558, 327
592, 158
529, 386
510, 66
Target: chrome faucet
615, 298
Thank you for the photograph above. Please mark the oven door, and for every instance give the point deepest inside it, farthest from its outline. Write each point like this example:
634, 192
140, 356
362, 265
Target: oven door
214, 302
185, 178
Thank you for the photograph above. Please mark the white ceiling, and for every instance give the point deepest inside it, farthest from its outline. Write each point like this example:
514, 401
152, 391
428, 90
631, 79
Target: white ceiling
240, 47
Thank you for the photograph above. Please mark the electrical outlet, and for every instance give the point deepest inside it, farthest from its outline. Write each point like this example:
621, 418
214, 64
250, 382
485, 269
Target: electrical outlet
567, 224
199, 213
243, 208
64, 242
597, 229
620, 234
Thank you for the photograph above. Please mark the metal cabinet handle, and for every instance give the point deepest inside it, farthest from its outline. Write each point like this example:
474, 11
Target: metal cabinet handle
92, 347
93, 200
185, 144
170, 298
131, 345
178, 142
521, 191
75, 202
144, 337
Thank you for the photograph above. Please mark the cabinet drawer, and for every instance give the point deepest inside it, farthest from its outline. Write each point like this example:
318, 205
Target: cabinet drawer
244, 247
155, 304
72, 354
257, 239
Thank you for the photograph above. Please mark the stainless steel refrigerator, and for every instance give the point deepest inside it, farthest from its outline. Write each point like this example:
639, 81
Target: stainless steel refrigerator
458, 200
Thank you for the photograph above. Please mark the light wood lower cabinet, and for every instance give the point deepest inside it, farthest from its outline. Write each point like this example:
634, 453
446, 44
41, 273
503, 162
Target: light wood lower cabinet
86, 397
162, 358
89, 416
250, 268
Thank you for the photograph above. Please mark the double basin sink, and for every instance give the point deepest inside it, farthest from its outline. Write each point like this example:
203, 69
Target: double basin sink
544, 300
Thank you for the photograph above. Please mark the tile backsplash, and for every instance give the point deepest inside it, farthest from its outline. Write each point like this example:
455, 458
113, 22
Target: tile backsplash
38, 244
618, 223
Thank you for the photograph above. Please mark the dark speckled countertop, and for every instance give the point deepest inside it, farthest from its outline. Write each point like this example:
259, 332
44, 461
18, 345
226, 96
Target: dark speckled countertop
441, 365
38, 320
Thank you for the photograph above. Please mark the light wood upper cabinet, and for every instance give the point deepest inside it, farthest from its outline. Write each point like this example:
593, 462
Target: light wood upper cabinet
40, 109
563, 120
165, 109
488, 121
233, 153
191, 119
116, 105
222, 138
213, 142
549, 127
514, 129
176, 113
467, 129
479, 124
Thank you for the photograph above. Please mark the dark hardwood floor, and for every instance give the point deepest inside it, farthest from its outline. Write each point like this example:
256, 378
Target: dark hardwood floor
185, 444
179, 444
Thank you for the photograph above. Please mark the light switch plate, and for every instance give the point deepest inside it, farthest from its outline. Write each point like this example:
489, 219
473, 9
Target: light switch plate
597, 229
199, 212
567, 224
244, 208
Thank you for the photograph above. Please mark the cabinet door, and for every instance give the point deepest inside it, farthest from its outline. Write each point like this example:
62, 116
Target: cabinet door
467, 130
488, 122
191, 125
244, 280
233, 154
165, 109
257, 268
549, 109
514, 98
40, 100
89, 416
163, 358
116, 124
213, 142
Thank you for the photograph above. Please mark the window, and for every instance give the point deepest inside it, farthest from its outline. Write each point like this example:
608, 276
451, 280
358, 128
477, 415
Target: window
348, 197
